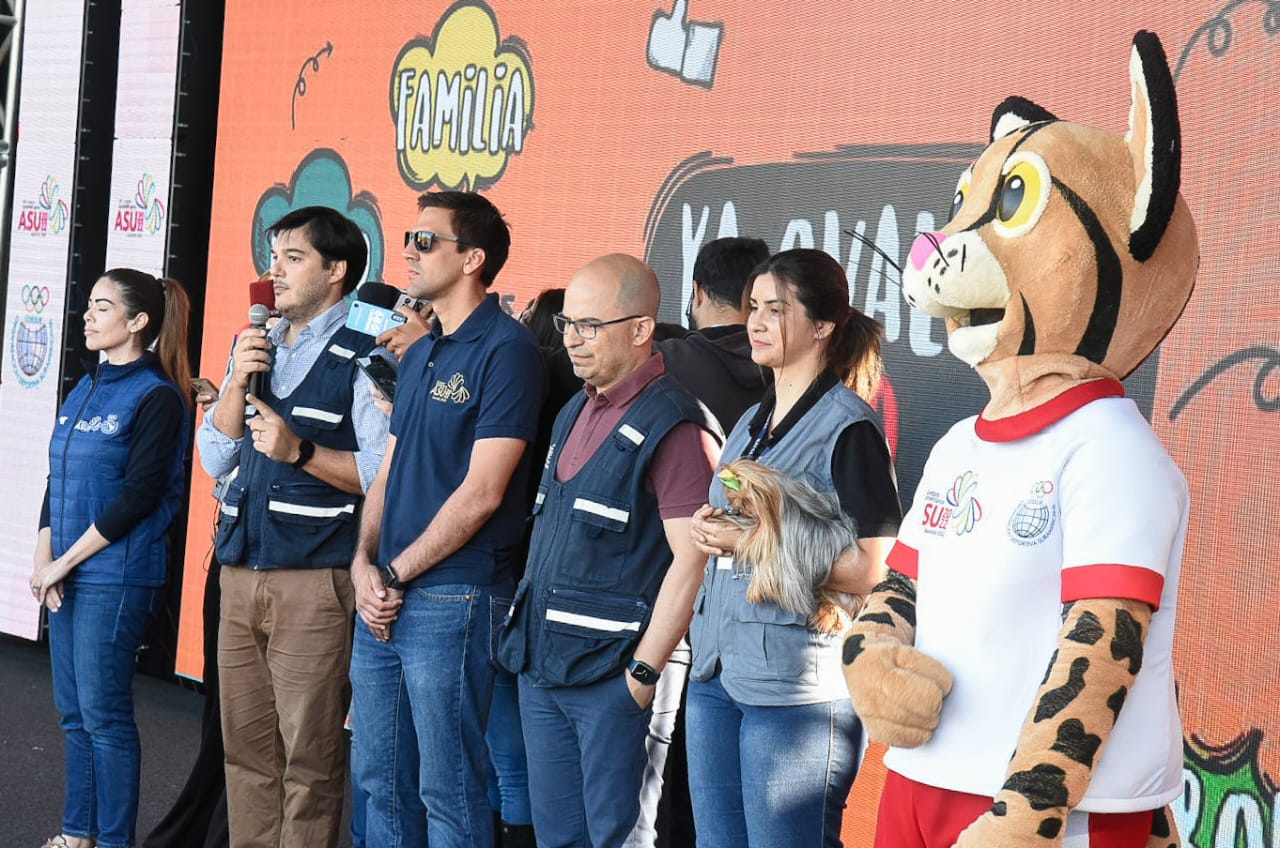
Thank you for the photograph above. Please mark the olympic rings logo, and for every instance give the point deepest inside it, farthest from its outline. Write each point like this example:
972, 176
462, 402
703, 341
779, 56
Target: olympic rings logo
35, 298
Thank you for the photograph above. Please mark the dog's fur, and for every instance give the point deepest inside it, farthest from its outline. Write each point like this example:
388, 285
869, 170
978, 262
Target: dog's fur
794, 534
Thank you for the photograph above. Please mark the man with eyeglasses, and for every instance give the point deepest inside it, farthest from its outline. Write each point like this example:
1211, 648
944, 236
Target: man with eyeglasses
612, 571
433, 569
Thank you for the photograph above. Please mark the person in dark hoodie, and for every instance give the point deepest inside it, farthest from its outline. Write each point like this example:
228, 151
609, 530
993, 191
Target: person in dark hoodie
713, 361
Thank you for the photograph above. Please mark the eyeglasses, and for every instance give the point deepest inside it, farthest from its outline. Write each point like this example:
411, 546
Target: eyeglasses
423, 240
585, 329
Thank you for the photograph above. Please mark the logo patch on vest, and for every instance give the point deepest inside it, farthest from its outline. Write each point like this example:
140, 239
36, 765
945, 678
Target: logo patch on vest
454, 391
108, 426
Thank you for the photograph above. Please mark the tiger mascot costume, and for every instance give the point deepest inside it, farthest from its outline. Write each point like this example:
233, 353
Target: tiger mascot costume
1017, 657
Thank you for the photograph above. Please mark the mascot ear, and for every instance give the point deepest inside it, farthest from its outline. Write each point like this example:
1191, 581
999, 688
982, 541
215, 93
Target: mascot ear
1014, 114
1155, 142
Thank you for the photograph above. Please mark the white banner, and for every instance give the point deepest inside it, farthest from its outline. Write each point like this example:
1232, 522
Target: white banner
142, 161
35, 289
139, 212
51, 41
33, 333
147, 81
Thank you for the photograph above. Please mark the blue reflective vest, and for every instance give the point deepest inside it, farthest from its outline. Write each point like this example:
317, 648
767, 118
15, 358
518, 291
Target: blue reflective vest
278, 516
88, 457
598, 553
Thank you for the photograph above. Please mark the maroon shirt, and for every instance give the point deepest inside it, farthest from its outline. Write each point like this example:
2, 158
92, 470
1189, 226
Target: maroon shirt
682, 466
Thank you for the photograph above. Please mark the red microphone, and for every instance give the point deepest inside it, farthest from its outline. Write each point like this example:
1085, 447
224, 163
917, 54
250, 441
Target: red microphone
263, 291
262, 305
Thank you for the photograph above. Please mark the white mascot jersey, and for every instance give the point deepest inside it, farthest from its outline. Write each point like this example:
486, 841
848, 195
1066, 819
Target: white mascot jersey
1013, 518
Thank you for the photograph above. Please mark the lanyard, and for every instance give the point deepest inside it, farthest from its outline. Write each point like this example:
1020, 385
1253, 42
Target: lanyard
757, 445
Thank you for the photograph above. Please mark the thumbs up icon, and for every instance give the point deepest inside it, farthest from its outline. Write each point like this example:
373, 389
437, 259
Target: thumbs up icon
685, 49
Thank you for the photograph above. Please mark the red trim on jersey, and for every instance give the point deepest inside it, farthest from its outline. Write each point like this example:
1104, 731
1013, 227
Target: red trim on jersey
904, 559
1121, 830
1032, 421
1112, 580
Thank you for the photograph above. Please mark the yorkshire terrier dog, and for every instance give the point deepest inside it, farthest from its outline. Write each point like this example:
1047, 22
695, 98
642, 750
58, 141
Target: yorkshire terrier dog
793, 535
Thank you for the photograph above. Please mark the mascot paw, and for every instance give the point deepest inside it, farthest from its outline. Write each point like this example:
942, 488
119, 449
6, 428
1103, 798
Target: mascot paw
897, 691
1001, 827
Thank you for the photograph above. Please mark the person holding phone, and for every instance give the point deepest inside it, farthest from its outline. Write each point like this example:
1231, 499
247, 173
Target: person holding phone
115, 484
417, 323
206, 391
382, 373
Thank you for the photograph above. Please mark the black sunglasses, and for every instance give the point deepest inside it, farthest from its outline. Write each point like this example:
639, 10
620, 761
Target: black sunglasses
423, 240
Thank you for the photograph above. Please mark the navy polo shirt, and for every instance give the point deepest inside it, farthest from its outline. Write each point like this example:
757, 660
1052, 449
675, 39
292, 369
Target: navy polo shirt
486, 380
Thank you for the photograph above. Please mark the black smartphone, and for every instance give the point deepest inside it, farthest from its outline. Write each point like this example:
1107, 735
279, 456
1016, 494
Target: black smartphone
206, 387
381, 372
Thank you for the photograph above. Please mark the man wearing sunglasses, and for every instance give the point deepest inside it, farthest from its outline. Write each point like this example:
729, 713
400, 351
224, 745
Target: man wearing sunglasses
433, 569
612, 571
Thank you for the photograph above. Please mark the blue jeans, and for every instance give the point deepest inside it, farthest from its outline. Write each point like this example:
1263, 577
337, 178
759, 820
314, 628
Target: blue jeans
769, 777
93, 640
509, 783
420, 703
587, 759
359, 801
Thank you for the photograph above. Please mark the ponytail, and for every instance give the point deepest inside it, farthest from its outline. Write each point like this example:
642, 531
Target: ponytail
168, 310
171, 343
854, 353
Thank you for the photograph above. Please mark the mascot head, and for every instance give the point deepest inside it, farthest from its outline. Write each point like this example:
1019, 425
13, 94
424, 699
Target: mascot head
1070, 253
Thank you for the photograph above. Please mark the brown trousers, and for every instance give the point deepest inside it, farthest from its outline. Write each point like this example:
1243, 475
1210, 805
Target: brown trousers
284, 648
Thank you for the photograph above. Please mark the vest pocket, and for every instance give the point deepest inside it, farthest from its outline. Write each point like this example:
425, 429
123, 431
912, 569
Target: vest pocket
601, 514
765, 642
513, 637
316, 418
588, 635
698, 638
303, 517
600, 526
229, 545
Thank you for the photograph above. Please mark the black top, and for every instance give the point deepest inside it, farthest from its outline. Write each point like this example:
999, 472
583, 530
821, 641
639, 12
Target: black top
715, 365
865, 481
159, 420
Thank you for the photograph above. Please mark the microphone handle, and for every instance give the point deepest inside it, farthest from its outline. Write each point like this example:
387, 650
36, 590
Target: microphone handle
258, 314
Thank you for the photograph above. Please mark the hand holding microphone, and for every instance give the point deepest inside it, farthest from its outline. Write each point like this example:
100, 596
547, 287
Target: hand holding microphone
252, 356
398, 319
258, 315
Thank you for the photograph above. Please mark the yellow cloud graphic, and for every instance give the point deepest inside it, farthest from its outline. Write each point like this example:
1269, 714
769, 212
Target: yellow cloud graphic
462, 101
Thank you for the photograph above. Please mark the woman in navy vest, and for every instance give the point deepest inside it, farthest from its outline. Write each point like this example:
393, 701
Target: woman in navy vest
772, 738
115, 484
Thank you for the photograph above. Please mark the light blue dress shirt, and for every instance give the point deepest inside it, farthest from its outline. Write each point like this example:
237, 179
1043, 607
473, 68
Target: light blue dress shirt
219, 453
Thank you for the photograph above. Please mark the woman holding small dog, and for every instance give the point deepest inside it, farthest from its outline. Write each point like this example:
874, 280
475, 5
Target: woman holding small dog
772, 738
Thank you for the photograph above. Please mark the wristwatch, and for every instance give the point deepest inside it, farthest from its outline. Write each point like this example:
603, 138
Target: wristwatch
389, 578
306, 450
644, 673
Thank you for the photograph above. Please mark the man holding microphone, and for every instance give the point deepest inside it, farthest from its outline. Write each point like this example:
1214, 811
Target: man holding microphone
287, 533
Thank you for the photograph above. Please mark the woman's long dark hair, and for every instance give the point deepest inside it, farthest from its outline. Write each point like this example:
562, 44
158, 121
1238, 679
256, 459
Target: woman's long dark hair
822, 288
168, 309
545, 305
